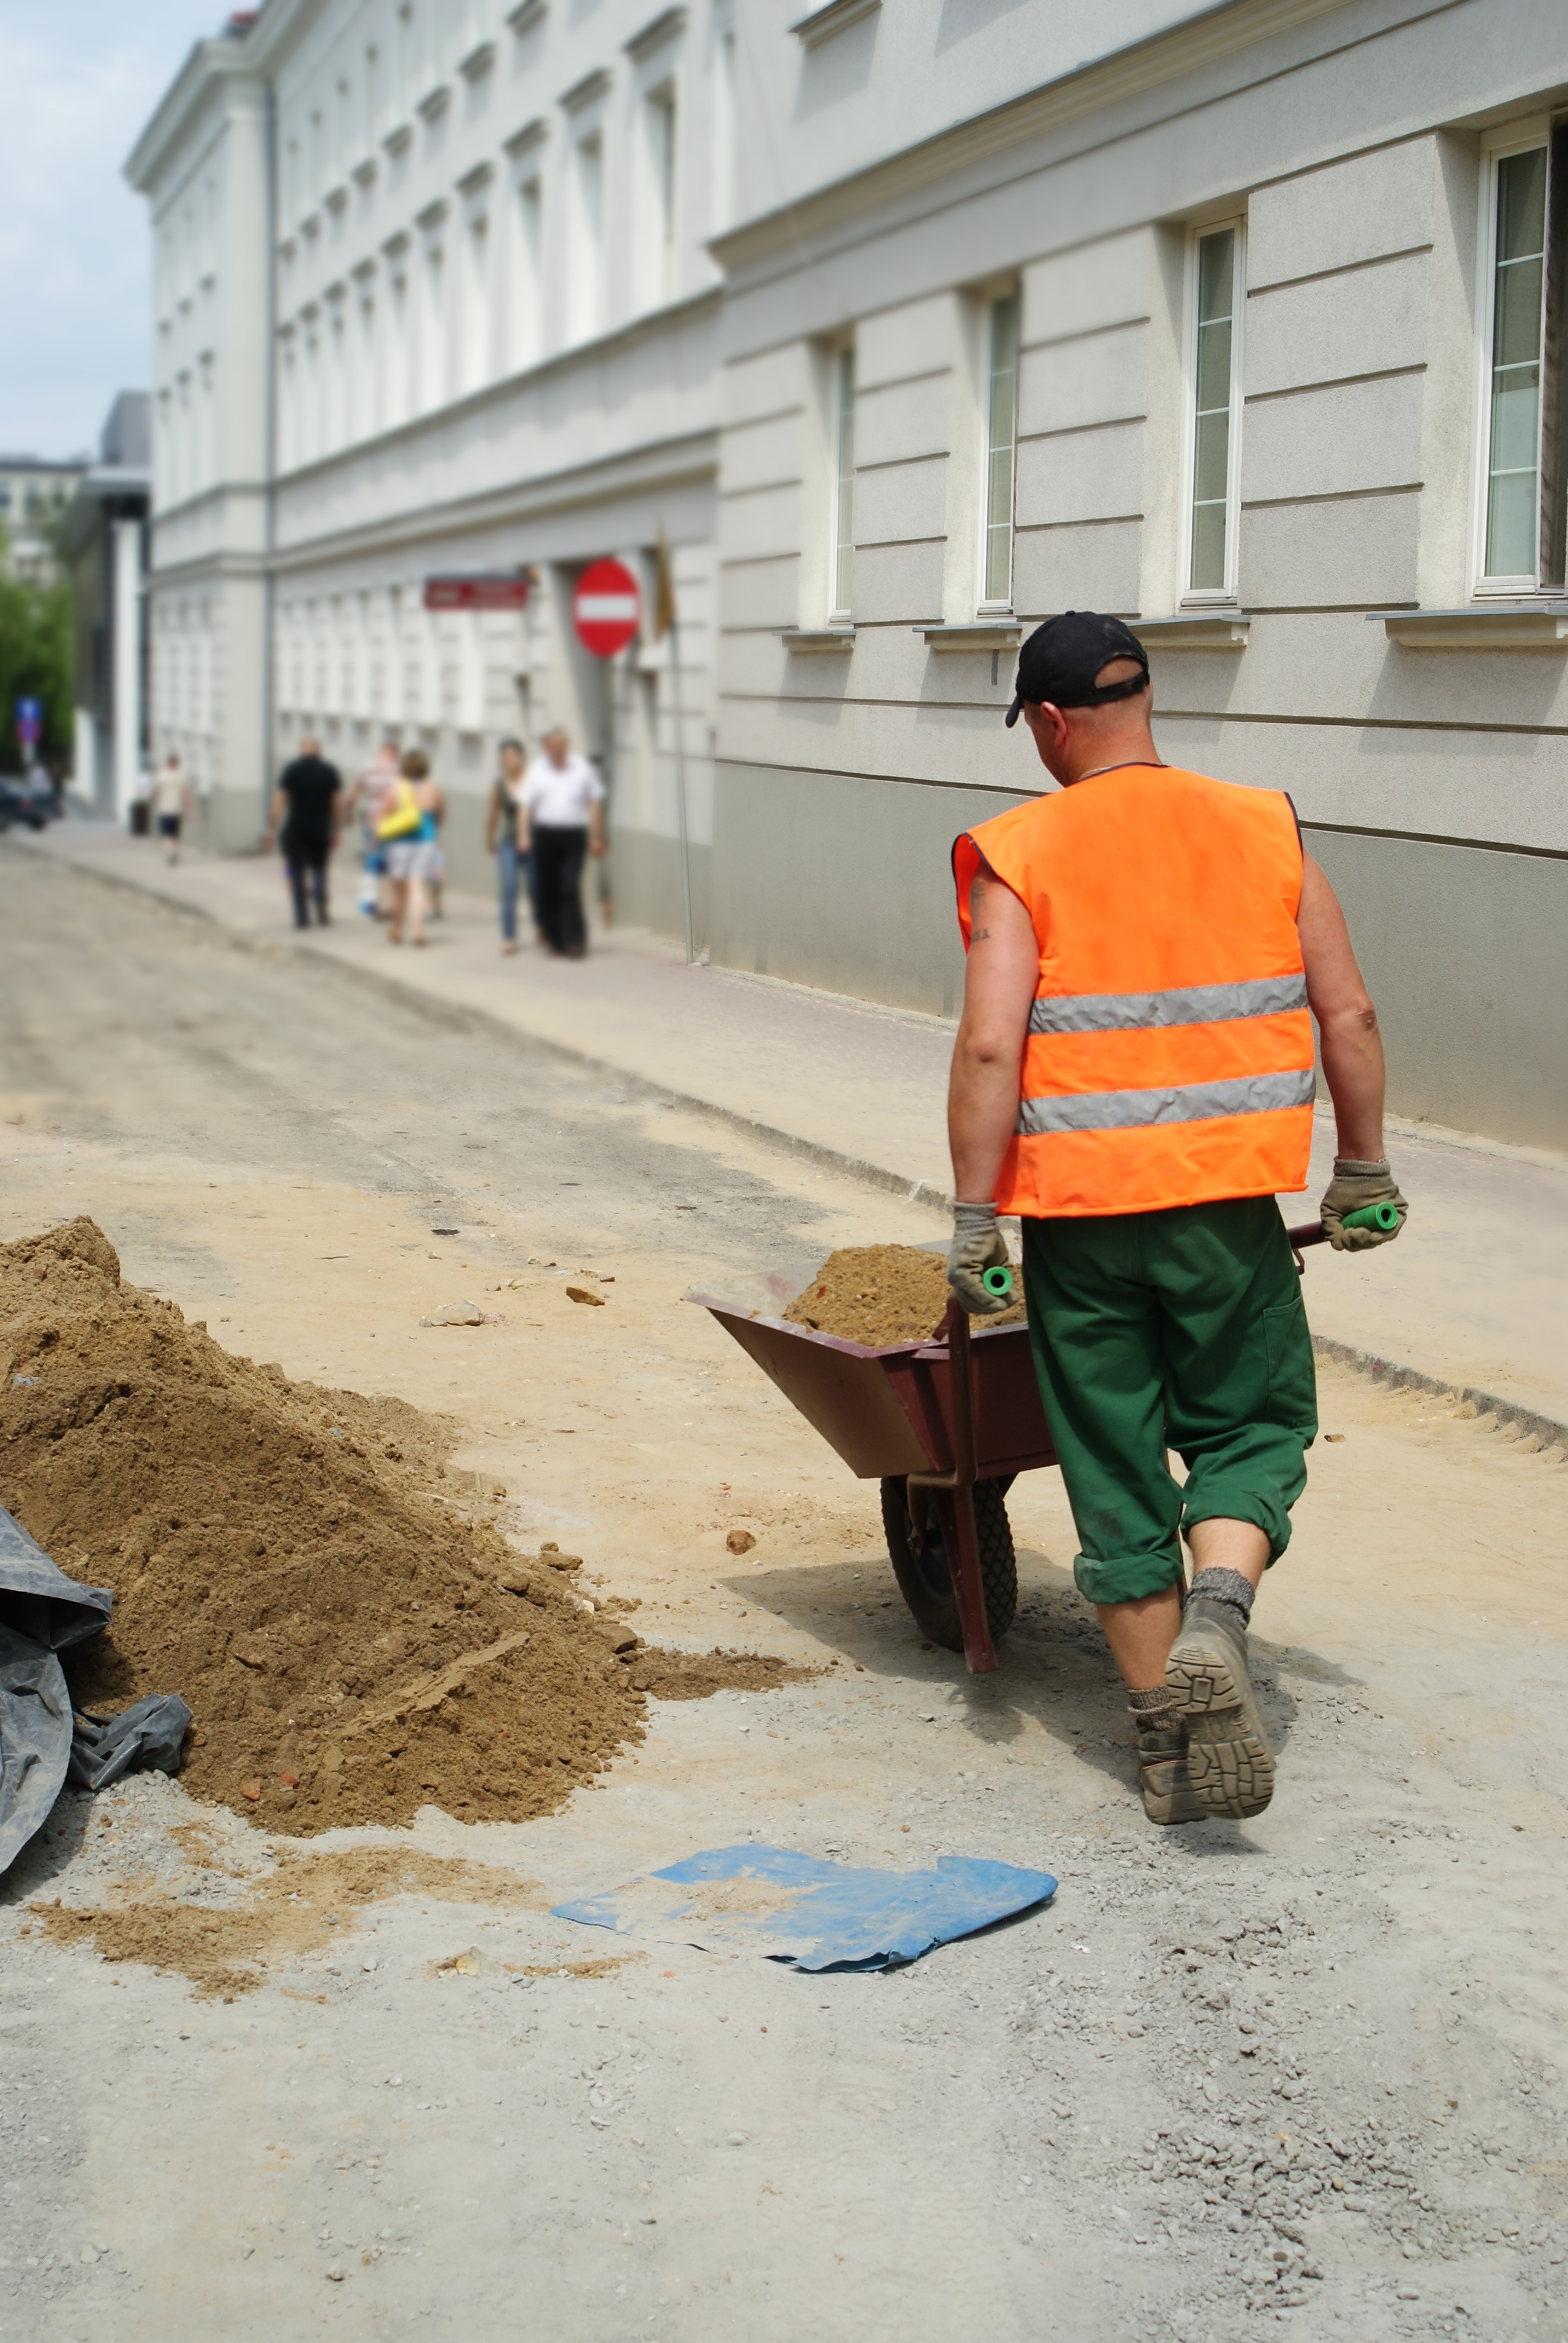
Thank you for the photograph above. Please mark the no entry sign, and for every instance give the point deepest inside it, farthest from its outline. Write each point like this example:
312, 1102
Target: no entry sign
606, 608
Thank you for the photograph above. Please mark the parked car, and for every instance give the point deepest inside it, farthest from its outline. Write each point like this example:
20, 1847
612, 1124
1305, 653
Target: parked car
21, 803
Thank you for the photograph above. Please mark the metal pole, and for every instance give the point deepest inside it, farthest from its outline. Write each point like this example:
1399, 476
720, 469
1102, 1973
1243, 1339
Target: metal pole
680, 788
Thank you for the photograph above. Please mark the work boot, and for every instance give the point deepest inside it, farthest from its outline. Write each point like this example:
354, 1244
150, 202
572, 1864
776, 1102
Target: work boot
1230, 1765
1162, 1776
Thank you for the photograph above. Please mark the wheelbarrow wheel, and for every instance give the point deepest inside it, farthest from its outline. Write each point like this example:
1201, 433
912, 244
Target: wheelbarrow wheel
920, 1563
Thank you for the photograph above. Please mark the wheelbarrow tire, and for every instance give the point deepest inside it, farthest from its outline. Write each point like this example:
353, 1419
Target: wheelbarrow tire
920, 1567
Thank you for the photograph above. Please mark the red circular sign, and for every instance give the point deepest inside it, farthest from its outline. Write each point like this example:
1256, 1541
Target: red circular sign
606, 608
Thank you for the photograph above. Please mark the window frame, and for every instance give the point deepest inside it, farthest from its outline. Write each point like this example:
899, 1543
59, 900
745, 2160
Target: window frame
1227, 594
841, 363
992, 604
1536, 132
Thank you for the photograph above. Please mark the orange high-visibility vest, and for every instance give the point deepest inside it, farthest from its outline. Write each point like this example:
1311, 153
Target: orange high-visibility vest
1170, 1052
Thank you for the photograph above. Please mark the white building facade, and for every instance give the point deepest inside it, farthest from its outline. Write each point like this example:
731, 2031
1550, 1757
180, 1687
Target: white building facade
912, 324
480, 338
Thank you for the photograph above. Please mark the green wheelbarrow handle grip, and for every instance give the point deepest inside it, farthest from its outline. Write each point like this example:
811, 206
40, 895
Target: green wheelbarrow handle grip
998, 1281
1371, 1216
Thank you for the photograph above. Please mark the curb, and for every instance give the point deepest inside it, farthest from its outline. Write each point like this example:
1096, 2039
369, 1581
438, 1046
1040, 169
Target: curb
460, 1016
1473, 1402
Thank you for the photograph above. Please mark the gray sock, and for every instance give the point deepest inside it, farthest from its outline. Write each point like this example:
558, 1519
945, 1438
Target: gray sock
1155, 1711
1224, 1586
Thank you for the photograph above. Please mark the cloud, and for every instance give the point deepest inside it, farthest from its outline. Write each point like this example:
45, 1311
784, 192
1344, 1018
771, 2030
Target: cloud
74, 242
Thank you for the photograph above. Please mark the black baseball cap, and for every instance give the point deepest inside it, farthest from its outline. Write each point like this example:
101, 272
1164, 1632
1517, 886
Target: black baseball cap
1061, 661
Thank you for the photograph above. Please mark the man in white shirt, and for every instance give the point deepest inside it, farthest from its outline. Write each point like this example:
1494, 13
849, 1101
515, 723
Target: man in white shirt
560, 818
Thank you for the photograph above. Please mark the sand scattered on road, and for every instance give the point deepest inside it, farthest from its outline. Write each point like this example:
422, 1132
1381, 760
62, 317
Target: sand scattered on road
881, 1294
296, 1562
308, 1902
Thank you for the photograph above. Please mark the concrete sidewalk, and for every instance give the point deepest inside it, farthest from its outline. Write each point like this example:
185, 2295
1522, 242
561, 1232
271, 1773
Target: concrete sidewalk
1475, 1297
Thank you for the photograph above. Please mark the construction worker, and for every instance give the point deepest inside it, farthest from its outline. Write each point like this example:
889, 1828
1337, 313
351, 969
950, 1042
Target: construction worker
1133, 1076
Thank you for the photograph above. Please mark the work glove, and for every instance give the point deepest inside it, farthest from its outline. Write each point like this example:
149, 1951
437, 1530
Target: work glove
1351, 1189
977, 1246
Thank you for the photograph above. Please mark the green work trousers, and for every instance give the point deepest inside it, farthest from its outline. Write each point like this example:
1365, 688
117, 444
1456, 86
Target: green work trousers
1181, 1329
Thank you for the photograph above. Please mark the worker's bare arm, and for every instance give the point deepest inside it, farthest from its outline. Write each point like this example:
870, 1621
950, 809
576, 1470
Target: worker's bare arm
1000, 985
1347, 1022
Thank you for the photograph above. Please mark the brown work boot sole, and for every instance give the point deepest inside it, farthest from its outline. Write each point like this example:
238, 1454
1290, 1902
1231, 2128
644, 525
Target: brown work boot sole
1230, 1765
1162, 1778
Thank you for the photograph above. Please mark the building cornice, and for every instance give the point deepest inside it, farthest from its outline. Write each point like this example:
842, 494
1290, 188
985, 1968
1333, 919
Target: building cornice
658, 466
1204, 39
228, 68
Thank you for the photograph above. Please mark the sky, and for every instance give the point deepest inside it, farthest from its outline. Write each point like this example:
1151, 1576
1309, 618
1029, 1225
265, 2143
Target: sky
81, 77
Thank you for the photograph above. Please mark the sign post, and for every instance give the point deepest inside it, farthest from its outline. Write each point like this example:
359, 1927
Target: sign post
606, 611
29, 722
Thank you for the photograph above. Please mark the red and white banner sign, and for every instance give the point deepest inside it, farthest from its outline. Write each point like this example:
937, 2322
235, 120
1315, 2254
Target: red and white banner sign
488, 591
606, 608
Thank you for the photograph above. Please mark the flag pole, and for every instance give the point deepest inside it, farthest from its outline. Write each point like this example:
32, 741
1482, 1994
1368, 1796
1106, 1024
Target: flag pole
667, 612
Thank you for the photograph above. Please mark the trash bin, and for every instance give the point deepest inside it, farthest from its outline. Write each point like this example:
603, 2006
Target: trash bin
141, 818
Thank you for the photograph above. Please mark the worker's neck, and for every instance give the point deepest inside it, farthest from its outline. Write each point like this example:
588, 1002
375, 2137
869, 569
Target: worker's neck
1103, 752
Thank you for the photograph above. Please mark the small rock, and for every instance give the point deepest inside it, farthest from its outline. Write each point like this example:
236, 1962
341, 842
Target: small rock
740, 1541
393, 2082
581, 1294
289, 1781
455, 1313
251, 1790
336, 2273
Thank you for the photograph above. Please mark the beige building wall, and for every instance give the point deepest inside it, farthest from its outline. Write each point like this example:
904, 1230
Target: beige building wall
1351, 148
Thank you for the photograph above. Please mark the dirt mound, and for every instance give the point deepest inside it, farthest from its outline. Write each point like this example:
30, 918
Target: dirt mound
288, 1560
879, 1294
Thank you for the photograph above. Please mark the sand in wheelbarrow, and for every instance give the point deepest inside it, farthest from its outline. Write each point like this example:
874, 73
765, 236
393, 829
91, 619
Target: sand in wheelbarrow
879, 1294
355, 1641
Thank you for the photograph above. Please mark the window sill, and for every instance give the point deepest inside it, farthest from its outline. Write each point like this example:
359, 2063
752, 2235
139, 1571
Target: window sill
818, 639
1481, 627
1195, 630
823, 23
973, 635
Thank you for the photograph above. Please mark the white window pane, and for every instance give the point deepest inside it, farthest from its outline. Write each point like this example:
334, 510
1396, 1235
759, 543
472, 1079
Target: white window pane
1214, 364
1519, 275
1001, 426
844, 481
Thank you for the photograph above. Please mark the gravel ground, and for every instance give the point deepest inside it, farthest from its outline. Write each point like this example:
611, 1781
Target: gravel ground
1303, 2073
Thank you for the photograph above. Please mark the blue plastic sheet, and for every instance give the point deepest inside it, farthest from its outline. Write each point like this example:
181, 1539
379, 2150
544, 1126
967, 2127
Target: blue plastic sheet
818, 1915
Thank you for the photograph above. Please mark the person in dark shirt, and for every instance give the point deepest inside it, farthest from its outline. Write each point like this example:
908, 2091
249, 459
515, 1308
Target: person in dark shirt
306, 814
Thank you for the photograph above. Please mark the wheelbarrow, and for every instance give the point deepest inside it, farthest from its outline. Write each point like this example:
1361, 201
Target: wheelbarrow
946, 1425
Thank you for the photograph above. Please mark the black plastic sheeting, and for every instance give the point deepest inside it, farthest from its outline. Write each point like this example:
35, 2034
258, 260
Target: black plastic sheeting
42, 1614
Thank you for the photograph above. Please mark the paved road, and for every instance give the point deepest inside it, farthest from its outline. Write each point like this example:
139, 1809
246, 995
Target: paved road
1303, 2073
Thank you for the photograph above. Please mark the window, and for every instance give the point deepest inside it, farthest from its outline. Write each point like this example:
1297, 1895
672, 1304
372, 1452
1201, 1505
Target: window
1215, 377
724, 130
476, 320
1522, 520
1002, 432
587, 256
527, 321
432, 328
843, 426
659, 115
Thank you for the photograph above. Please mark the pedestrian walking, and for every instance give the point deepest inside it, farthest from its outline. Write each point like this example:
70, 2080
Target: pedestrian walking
513, 866
1134, 1077
369, 794
409, 829
306, 809
561, 822
171, 803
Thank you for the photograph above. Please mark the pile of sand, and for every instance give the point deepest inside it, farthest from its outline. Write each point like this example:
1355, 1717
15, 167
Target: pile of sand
881, 1294
286, 1559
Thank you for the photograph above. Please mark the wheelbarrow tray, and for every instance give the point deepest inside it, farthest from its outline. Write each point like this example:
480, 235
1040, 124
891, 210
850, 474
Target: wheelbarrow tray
889, 1412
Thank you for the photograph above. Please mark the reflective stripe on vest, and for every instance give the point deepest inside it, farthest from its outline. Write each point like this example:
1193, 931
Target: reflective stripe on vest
1198, 1004
1193, 1103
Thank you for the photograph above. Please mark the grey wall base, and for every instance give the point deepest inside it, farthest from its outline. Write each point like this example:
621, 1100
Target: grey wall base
645, 877
834, 880
842, 882
1464, 949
